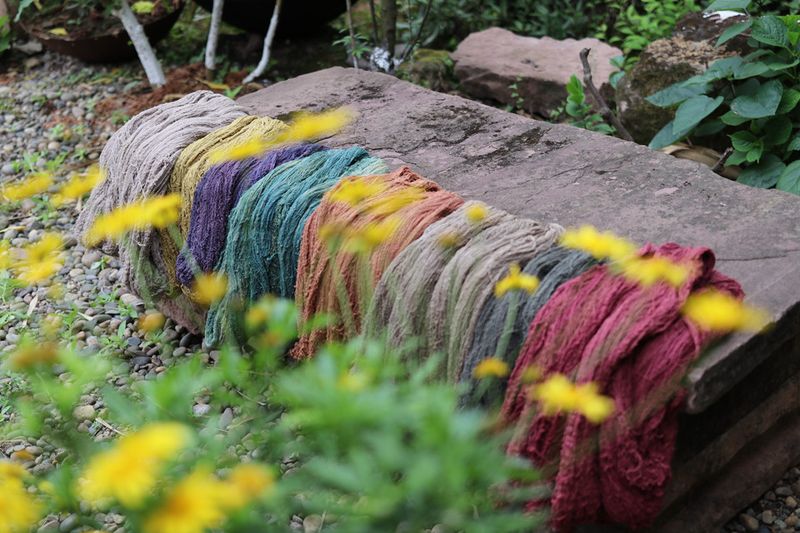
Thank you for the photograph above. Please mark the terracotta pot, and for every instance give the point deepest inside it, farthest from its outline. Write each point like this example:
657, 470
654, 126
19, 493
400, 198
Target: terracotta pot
111, 46
297, 17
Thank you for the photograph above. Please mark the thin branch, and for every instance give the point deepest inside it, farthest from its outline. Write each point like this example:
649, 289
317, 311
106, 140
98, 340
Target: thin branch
609, 115
352, 33
273, 26
389, 23
719, 165
152, 68
374, 17
413, 42
213, 35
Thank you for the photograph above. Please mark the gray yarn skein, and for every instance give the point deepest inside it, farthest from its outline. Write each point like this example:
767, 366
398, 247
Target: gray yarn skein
399, 307
468, 281
553, 268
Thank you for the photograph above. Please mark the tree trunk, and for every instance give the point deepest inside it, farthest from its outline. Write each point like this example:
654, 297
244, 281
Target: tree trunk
389, 23
273, 26
213, 36
352, 33
148, 59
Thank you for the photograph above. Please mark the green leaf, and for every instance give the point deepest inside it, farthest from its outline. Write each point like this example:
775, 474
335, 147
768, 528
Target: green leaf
763, 175
733, 30
719, 69
789, 101
755, 153
142, 8
709, 128
732, 119
677, 93
664, 137
691, 112
748, 70
770, 30
575, 90
723, 5
737, 158
743, 141
763, 103
794, 144
789, 179
777, 131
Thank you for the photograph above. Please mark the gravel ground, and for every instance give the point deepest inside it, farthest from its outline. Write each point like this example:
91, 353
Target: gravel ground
47, 113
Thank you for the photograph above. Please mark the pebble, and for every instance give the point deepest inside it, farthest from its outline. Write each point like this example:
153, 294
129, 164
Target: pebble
69, 523
768, 517
750, 523
84, 412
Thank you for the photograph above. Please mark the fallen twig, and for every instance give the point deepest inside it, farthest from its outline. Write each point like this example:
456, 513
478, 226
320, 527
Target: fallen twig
719, 165
609, 115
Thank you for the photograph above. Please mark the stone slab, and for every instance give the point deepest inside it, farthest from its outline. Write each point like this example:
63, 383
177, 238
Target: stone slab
571, 176
489, 62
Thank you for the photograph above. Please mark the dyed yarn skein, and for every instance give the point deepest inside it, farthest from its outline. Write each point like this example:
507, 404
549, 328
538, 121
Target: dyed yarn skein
634, 342
265, 227
553, 267
468, 281
217, 193
399, 308
138, 160
320, 275
193, 163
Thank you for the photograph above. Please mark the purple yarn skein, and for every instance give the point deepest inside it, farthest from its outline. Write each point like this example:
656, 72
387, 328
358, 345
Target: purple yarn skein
216, 195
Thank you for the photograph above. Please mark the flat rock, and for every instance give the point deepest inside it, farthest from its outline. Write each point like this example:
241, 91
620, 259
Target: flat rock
488, 62
571, 176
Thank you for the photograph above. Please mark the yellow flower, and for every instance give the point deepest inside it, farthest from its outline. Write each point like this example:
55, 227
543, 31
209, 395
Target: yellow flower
158, 211
193, 505
62, 32
209, 288
142, 7
599, 245
650, 270
332, 232
5, 254
476, 213
354, 190
256, 317
516, 281
372, 235
151, 322
79, 185
310, 126
40, 260
9, 470
19, 511
397, 201
720, 312
449, 240
531, 374
36, 184
245, 483
128, 471
250, 148
558, 394
491, 366
353, 381
34, 354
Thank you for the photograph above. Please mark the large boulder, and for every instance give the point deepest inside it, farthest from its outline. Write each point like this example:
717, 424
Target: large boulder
662, 63
490, 62
742, 428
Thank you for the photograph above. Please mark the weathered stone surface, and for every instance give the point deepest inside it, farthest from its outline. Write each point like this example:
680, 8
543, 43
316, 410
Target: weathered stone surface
662, 63
738, 389
708, 27
489, 61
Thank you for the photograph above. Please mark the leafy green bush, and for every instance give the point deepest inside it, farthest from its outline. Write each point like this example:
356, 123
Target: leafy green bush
752, 99
637, 24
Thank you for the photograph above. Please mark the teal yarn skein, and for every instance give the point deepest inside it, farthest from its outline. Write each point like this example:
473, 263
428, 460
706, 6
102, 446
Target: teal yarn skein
265, 231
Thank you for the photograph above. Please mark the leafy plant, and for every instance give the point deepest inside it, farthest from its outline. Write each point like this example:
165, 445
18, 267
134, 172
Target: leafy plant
751, 99
636, 26
579, 111
5, 33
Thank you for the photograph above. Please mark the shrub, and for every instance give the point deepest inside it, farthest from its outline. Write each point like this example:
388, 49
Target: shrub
751, 99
